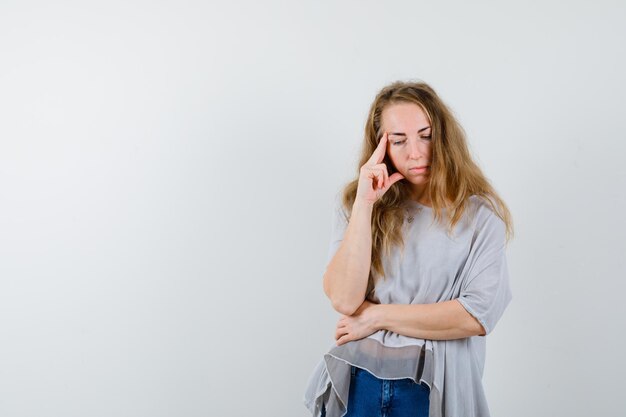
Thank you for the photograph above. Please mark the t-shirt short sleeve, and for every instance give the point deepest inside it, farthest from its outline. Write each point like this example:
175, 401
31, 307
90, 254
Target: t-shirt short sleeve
485, 291
339, 223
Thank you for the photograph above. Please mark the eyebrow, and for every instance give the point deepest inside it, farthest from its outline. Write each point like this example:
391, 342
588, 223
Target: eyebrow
404, 134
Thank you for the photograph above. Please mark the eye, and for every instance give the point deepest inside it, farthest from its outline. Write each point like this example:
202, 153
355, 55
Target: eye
399, 142
427, 137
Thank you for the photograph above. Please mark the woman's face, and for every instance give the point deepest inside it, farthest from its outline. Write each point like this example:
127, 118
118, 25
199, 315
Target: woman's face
409, 145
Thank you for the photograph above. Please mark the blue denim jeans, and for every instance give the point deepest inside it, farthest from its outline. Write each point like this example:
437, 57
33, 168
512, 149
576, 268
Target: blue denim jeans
370, 396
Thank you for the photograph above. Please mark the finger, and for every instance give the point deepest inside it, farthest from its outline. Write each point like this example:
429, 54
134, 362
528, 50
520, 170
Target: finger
379, 152
339, 333
381, 148
383, 169
395, 177
376, 176
380, 176
345, 338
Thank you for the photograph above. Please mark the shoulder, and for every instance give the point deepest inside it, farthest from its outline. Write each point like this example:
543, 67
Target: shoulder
483, 213
482, 204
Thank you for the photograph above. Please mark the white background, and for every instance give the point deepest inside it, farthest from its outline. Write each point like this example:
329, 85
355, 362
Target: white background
166, 176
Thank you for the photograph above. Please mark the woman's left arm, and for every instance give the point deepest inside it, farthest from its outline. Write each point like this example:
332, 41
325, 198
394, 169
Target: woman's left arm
438, 321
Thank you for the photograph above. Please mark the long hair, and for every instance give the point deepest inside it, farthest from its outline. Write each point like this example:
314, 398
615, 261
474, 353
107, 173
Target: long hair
454, 176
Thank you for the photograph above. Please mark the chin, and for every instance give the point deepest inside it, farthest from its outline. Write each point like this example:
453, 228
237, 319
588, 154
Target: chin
417, 179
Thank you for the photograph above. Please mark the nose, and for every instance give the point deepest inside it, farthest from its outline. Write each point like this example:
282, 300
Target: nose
415, 148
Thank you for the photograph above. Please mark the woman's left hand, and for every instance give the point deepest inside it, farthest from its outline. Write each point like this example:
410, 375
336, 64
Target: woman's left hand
357, 326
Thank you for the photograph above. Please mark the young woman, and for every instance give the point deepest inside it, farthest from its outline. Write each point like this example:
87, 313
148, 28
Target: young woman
416, 266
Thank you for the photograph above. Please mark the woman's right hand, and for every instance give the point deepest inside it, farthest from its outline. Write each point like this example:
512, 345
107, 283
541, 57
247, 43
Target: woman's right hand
374, 180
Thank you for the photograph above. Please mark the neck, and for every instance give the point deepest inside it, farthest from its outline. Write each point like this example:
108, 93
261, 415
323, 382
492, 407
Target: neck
421, 196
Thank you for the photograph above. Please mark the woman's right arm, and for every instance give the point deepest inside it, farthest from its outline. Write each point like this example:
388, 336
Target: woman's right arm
347, 273
346, 276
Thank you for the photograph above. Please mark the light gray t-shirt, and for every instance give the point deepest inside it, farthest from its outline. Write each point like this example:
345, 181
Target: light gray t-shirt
470, 266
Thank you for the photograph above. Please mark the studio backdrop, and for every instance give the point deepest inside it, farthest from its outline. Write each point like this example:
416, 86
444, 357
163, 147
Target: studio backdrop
167, 172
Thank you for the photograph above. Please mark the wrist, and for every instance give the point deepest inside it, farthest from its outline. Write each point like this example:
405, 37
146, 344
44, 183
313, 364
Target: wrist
377, 316
362, 205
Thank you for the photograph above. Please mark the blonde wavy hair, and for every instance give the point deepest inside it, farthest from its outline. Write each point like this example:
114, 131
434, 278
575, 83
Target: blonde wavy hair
454, 176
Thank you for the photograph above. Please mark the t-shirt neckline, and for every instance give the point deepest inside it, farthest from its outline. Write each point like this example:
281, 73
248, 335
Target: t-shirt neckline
417, 203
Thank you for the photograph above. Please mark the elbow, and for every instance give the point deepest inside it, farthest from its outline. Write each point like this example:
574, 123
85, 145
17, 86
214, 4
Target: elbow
340, 304
344, 307
468, 323
473, 327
